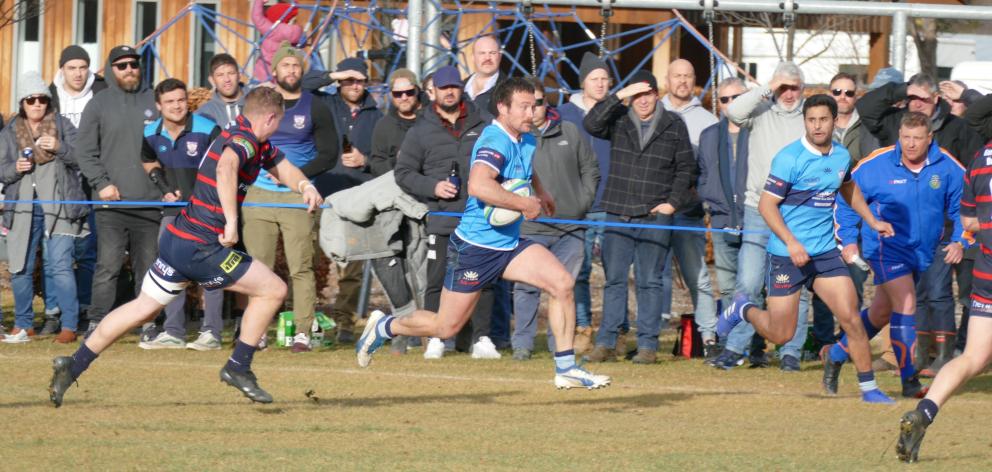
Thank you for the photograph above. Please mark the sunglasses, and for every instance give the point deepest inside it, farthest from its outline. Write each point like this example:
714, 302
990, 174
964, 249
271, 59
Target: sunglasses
38, 99
123, 66
404, 93
539, 102
846, 93
729, 98
788, 88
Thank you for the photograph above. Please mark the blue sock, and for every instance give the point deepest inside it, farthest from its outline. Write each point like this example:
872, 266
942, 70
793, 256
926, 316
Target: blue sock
81, 360
565, 360
240, 360
839, 353
928, 408
866, 381
903, 333
385, 327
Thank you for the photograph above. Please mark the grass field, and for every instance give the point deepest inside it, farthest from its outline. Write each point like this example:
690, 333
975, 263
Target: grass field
166, 410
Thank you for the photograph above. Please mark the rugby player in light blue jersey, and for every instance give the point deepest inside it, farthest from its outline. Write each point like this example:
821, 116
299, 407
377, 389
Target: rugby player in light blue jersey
798, 205
479, 253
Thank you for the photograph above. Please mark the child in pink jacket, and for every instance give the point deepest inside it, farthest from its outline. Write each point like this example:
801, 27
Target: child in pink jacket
266, 19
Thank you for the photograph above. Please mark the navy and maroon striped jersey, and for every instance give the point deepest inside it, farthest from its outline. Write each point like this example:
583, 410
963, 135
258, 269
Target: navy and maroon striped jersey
203, 219
976, 200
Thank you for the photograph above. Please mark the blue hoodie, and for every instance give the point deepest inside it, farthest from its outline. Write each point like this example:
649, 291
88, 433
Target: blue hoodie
915, 204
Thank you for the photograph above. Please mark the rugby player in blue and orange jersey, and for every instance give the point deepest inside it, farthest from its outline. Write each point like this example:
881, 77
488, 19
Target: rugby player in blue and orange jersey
198, 248
798, 206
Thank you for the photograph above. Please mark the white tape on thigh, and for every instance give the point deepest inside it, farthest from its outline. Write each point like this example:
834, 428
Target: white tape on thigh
161, 290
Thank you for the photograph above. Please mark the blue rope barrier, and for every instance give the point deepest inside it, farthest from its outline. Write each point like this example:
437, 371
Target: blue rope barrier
450, 214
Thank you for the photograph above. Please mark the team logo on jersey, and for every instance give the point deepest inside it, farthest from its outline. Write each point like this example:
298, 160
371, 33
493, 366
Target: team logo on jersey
245, 144
897, 181
164, 269
935, 182
148, 113
782, 278
231, 262
469, 277
163, 148
299, 121
191, 148
827, 170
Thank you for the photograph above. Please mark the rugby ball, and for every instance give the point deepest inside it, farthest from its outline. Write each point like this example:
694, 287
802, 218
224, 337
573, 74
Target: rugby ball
497, 216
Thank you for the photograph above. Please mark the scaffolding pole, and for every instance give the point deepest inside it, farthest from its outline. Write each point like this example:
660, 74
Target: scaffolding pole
898, 57
433, 54
415, 13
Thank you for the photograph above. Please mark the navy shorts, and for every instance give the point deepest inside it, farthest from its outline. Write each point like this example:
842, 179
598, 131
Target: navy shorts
471, 268
886, 271
211, 265
784, 278
981, 287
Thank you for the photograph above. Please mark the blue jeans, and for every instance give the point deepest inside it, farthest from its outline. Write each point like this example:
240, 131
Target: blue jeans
57, 259
84, 254
647, 250
526, 298
935, 296
824, 329
689, 248
583, 296
752, 270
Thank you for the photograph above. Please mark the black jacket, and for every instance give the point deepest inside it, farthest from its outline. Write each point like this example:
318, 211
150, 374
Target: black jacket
882, 119
386, 140
664, 171
721, 187
484, 101
111, 134
425, 159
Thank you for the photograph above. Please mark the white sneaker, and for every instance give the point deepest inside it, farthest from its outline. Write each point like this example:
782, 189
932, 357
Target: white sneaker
163, 341
19, 338
205, 342
485, 349
579, 377
435, 349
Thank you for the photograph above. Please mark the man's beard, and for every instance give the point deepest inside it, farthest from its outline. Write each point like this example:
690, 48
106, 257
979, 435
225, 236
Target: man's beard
449, 108
291, 88
127, 85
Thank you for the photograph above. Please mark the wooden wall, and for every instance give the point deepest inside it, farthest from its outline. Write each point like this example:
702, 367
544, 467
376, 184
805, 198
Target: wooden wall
6, 64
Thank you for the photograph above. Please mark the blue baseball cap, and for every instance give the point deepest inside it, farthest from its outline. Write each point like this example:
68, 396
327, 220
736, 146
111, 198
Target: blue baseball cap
447, 76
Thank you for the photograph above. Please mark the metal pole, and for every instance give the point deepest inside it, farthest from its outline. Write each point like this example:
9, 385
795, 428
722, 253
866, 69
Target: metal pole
433, 56
415, 13
898, 59
334, 48
363, 294
806, 7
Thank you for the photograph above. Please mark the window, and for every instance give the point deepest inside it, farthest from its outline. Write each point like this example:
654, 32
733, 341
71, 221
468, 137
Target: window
88, 28
204, 47
145, 23
29, 51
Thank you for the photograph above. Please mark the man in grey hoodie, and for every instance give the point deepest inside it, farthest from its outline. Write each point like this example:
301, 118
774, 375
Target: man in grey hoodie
689, 247
773, 115
567, 168
228, 98
108, 148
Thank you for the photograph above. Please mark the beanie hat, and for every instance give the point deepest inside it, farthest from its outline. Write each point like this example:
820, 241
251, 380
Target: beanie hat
353, 64
30, 84
591, 62
403, 74
644, 76
73, 52
275, 12
285, 50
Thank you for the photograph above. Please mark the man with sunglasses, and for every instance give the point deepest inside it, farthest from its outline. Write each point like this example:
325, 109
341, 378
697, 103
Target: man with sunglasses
722, 157
108, 149
391, 129
773, 116
355, 115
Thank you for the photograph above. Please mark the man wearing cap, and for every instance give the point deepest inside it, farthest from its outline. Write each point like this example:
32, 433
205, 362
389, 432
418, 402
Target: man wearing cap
74, 86
108, 149
594, 77
309, 139
355, 114
652, 170
443, 137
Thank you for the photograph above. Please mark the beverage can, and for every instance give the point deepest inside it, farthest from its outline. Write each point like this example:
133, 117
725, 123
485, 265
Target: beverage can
27, 153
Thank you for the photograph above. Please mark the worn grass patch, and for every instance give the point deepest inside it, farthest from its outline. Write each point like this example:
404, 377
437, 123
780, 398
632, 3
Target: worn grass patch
167, 410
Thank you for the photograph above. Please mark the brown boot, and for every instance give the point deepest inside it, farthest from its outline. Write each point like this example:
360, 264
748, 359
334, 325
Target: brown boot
621, 348
645, 356
583, 340
65, 337
601, 354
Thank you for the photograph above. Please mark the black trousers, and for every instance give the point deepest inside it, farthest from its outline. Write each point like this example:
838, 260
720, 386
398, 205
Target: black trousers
120, 231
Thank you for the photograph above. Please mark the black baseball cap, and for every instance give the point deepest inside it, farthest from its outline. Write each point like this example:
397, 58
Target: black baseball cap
122, 51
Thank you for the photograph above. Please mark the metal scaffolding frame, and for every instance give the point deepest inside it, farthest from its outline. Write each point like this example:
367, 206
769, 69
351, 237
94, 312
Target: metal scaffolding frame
900, 13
